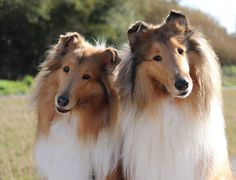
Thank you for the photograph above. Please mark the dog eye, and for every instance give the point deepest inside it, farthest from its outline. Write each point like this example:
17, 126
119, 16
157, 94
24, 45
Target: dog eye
66, 69
180, 51
86, 77
157, 58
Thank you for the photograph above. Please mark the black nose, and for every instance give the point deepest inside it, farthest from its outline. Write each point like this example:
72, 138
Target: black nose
181, 84
62, 100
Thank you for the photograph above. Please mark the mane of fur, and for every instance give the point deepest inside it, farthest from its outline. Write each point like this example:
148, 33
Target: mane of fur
159, 131
44, 91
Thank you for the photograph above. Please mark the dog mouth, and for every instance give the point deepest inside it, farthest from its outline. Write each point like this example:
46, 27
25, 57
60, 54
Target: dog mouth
183, 93
61, 110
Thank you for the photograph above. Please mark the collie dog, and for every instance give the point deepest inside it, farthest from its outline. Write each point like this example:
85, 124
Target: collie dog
171, 117
76, 104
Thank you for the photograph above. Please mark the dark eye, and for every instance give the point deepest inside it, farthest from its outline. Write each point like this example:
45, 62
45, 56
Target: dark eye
86, 77
180, 51
157, 58
66, 69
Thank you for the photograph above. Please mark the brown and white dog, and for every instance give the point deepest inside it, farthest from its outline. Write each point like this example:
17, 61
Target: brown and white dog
172, 119
78, 135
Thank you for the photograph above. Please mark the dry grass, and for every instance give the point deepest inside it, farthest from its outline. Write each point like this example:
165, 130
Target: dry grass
230, 116
17, 132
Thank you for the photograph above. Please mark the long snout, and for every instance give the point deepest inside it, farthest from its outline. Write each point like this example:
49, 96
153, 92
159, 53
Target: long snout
62, 101
181, 84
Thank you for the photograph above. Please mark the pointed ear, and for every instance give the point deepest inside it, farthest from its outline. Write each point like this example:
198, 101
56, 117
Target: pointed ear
136, 30
177, 18
69, 41
110, 59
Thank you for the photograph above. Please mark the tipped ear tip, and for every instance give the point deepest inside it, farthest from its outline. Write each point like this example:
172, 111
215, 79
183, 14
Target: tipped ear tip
177, 17
137, 26
61, 38
69, 41
174, 14
111, 56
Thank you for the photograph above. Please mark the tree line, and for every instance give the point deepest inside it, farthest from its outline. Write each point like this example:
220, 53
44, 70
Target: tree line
28, 27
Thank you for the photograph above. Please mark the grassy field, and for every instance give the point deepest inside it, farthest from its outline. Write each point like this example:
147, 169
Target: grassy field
230, 116
17, 133
15, 87
229, 75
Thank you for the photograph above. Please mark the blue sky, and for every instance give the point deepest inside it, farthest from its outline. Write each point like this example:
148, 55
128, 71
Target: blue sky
224, 11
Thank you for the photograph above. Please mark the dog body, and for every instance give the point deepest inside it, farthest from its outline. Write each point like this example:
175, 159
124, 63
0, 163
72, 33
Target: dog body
78, 135
172, 120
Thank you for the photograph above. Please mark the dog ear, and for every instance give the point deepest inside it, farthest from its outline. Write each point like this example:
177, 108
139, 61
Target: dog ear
135, 30
110, 59
69, 42
177, 17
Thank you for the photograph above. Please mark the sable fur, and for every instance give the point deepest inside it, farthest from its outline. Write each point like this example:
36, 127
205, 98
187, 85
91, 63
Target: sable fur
92, 108
146, 92
47, 85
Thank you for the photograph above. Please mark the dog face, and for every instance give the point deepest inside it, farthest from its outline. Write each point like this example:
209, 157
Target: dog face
83, 72
161, 53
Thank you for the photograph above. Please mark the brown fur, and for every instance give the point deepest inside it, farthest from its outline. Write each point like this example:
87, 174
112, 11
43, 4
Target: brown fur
145, 83
94, 100
150, 79
116, 174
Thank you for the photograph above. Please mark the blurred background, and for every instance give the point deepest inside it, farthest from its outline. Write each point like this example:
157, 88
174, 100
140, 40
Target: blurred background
29, 27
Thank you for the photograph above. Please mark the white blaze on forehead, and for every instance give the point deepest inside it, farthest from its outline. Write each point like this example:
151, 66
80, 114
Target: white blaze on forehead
180, 64
184, 64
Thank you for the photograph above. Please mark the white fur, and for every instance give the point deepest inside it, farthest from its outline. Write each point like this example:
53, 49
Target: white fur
170, 145
61, 156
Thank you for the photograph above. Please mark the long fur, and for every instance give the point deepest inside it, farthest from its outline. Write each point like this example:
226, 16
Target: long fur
83, 143
164, 137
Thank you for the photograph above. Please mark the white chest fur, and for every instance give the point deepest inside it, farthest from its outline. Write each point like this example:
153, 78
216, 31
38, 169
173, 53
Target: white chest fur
61, 156
173, 144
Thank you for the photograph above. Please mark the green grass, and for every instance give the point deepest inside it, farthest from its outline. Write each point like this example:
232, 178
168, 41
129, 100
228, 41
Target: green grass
229, 75
15, 87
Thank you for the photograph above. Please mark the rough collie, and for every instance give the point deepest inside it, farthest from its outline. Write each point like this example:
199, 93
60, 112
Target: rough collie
172, 120
77, 134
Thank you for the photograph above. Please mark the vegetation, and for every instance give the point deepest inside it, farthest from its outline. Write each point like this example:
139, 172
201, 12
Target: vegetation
29, 26
229, 75
15, 87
